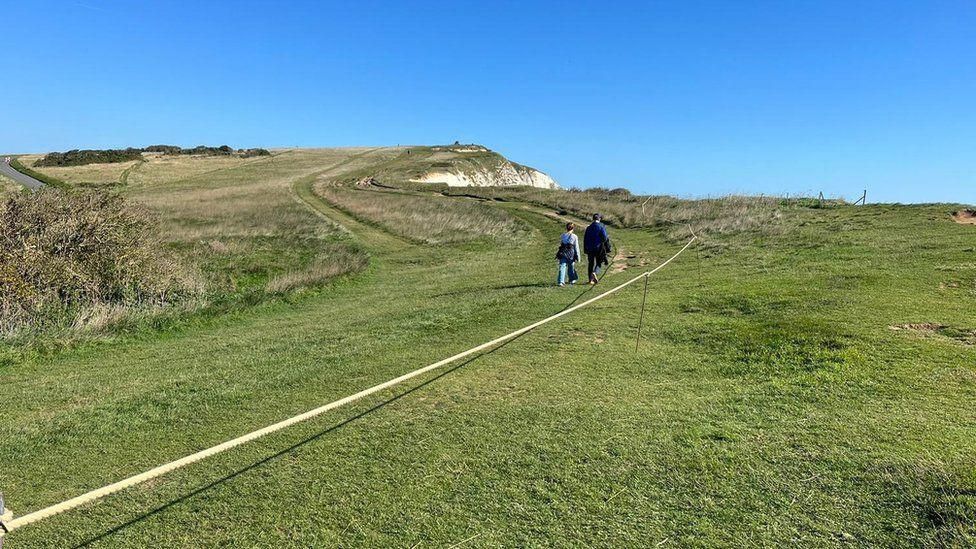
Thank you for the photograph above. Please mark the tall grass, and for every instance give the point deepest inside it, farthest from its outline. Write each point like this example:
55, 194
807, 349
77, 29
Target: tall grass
331, 262
429, 219
241, 221
677, 217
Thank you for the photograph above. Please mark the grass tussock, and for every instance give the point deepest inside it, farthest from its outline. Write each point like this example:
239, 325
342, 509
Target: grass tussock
64, 256
427, 219
336, 261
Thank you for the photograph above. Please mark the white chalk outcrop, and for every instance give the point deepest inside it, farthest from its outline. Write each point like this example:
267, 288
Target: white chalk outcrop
505, 174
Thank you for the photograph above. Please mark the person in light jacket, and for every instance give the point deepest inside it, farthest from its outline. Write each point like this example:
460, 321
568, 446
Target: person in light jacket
567, 256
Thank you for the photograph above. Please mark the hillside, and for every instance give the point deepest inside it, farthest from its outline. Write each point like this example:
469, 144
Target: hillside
805, 375
452, 165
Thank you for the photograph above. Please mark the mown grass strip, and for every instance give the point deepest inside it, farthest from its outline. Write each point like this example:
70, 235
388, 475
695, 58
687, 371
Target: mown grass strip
16, 164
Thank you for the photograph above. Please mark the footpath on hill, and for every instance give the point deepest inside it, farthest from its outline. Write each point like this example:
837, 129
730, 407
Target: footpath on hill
230, 375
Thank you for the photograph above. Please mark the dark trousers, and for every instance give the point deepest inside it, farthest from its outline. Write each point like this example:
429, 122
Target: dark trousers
592, 265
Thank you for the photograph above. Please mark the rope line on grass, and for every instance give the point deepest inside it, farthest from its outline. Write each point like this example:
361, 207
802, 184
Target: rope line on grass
9, 524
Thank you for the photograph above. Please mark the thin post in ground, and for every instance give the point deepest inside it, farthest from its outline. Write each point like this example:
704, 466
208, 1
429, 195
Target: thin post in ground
640, 322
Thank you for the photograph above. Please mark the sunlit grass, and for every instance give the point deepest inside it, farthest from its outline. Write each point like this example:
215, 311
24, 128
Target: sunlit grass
430, 219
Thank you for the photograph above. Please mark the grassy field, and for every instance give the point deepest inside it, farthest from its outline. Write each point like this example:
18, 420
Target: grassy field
237, 220
809, 385
91, 175
430, 219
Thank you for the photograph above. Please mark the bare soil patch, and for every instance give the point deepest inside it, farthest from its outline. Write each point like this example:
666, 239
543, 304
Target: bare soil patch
965, 217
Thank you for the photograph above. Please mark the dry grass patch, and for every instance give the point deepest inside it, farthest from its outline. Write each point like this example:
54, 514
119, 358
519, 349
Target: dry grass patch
332, 262
965, 336
725, 215
242, 221
425, 219
8, 186
160, 169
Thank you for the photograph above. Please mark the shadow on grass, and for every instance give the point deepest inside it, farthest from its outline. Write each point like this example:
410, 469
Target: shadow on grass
324, 432
289, 449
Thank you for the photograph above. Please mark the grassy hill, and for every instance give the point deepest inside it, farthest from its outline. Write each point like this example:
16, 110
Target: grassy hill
465, 165
805, 376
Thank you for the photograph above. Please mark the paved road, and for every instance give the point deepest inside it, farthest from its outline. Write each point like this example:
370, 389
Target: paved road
24, 180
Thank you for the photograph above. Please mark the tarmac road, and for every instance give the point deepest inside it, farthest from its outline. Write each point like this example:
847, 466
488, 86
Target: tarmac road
24, 180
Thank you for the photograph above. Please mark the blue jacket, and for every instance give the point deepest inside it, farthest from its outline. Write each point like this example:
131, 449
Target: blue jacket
594, 237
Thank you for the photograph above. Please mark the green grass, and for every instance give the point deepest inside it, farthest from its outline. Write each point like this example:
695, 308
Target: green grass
16, 164
770, 402
238, 222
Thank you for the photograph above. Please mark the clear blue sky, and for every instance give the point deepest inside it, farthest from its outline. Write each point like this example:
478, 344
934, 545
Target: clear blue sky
683, 97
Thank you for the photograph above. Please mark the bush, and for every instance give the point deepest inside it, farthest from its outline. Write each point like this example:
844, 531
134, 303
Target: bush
65, 254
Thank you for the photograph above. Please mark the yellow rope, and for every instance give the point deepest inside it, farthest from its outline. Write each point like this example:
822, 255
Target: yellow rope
19, 522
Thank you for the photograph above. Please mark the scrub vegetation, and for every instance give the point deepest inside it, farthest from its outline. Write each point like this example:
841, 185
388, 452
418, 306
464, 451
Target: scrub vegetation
806, 378
69, 258
8, 186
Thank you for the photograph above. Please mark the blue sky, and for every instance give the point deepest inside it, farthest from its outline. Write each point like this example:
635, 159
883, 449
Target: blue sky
686, 98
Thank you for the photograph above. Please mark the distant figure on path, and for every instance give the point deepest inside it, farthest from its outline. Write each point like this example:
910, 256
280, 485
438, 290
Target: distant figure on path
596, 244
568, 255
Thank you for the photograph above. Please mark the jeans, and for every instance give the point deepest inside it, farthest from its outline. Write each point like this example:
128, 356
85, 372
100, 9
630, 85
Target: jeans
567, 269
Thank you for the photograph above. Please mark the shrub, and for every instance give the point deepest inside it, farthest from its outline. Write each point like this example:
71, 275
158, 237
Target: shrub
62, 254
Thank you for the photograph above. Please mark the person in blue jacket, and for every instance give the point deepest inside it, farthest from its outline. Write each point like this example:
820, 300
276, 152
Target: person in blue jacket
596, 245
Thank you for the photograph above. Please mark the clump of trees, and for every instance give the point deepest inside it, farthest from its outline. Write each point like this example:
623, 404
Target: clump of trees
63, 255
107, 156
222, 150
88, 156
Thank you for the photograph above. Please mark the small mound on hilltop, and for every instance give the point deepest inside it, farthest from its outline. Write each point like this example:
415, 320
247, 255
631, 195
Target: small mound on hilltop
455, 166
965, 217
